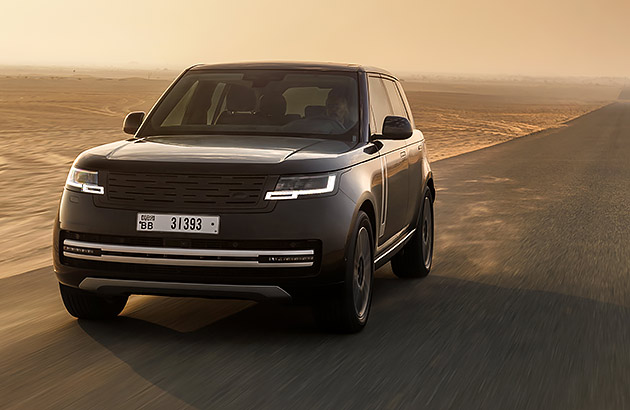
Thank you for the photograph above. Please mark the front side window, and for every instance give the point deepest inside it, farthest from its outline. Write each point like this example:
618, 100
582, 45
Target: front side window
379, 104
398, 107
260, 102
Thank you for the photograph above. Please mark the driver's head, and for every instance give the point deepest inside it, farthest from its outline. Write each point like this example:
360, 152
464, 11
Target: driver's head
337, 105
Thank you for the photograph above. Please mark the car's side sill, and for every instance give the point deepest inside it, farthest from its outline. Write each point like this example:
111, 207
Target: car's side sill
383, 258
127, 286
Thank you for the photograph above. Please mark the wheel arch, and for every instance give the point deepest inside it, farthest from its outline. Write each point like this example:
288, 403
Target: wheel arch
365, 204
368, 207
431, 186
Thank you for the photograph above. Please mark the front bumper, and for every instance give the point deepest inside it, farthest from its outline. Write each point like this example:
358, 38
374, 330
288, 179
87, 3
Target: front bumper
298, 246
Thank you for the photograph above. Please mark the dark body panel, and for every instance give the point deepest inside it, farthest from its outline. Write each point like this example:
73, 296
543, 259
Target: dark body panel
225, 154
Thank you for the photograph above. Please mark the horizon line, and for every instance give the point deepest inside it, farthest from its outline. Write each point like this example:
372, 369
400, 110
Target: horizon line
400, 72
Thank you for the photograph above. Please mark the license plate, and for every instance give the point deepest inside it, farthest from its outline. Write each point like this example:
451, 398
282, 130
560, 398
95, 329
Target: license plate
177, 223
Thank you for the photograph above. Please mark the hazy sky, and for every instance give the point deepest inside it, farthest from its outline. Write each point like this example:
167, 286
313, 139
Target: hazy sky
538, 37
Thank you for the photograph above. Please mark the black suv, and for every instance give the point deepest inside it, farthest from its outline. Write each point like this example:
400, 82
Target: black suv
286, 181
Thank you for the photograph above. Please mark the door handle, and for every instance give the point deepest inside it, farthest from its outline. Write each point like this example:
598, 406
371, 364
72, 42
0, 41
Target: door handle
403, 154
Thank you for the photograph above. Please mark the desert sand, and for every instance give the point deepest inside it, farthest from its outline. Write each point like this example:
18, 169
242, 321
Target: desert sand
48, 117
458, 116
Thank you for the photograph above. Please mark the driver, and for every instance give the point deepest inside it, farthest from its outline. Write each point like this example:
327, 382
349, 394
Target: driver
337, 107
335, 120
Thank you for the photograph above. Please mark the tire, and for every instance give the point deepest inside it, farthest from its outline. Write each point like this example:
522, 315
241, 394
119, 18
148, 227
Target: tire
415, 259
89, 305
348, 311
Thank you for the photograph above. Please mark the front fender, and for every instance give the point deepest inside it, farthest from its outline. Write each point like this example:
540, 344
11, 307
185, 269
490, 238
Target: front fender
363, 184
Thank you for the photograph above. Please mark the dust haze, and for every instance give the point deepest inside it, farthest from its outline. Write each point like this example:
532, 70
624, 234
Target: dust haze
538, 37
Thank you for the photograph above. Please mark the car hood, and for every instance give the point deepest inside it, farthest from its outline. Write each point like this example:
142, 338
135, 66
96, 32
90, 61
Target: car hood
221, 154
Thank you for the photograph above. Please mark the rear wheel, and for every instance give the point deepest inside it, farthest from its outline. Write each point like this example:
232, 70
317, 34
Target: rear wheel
415, 259
348, 312
89, 305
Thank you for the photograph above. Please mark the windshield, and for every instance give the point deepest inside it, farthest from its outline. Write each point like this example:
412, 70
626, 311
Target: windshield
260, 102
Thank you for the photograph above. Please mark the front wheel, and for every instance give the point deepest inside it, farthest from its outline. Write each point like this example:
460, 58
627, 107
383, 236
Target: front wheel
88, 305
415, 259
348, 312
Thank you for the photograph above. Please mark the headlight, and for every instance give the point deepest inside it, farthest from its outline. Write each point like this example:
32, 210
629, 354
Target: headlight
294, 187
86, 181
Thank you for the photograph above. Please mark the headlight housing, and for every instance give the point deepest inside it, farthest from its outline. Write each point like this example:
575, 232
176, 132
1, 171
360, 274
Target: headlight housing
295, 187
86, 181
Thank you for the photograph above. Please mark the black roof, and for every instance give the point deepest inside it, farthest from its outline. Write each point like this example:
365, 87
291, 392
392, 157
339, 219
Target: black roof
292, 65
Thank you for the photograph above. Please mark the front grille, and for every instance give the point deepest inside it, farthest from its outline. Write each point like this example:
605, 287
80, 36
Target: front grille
144, 191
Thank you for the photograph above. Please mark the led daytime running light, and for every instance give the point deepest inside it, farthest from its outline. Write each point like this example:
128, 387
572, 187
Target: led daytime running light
86, 181
294, 194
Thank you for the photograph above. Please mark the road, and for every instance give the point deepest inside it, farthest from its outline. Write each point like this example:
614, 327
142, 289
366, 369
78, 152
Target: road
527, 307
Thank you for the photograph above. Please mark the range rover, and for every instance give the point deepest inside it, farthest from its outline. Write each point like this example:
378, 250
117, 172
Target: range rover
257, 181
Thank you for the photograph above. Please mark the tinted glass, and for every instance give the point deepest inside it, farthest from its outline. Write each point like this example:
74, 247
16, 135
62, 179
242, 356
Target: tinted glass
401, 91
398, 107
265, 102
379, 104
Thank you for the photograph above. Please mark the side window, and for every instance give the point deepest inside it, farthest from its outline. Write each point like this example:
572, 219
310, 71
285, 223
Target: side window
379, 104
176, 116
298, 98
212, 113
401, 91
398, 107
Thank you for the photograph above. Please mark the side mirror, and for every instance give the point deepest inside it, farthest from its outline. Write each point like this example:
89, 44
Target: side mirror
132, 122
396, 128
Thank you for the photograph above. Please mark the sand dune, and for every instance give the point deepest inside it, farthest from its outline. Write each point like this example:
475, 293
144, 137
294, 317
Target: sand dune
460, 116
46, 120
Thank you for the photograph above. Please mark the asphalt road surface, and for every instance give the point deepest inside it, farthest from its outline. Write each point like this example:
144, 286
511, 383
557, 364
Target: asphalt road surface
527, 307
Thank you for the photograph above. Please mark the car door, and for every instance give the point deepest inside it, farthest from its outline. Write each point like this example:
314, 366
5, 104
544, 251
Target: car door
414, 148
394, 158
